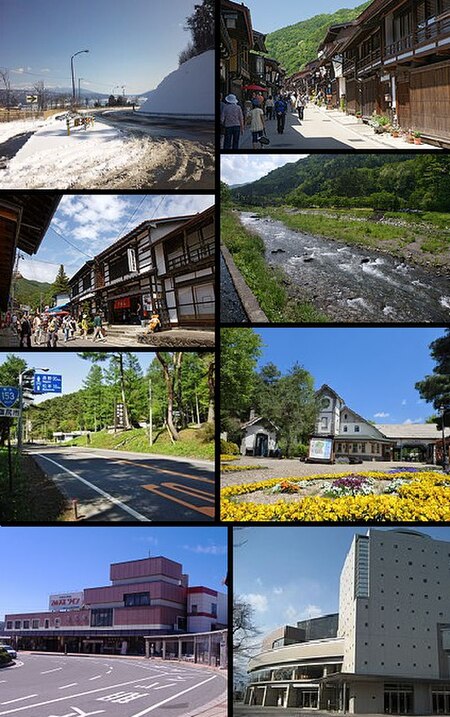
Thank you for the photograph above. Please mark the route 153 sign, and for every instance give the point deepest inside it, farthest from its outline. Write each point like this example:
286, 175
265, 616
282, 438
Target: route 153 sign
8, 396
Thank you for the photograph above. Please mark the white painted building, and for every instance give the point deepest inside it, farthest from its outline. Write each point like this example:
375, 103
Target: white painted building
206, 609
391, 651
259, 437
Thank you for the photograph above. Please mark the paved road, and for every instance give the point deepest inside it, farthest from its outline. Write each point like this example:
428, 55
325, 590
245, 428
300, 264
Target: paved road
76, 686
137, 124
327, 129
122, 486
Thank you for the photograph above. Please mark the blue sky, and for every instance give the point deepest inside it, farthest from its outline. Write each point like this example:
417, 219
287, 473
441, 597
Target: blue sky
244, 168
290, 574
95, 221
134, 43
72, 368
373, 369
41, 561
267, 17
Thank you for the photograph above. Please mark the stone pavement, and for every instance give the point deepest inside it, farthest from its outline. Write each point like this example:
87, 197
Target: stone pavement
327, 129
122, 336
290, 467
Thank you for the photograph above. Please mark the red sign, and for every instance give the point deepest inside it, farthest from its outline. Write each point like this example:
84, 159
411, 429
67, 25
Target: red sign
122, 303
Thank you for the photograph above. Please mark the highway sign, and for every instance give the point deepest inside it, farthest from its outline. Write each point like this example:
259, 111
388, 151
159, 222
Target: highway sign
9, 412
31, 99
8, 396
47, 383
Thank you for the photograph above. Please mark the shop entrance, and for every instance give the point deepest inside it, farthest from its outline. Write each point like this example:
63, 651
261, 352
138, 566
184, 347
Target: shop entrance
398, 699
126, 310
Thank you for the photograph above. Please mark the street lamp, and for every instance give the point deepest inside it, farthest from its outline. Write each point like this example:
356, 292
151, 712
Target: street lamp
31, 369
73, 76
79, 90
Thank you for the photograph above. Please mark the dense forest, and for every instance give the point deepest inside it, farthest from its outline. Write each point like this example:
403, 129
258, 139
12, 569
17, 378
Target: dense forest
379, 181
182, 394
296, 45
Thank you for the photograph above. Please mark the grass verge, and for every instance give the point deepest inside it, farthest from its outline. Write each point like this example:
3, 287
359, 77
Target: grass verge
266, 282
34, 497
189, 445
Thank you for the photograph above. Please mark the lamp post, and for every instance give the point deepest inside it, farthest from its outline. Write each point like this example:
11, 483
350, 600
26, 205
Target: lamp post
73, 76
31, 369
79, 90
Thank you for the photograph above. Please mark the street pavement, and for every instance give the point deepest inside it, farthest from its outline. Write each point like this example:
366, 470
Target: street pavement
117, 336
117, 486
327, 129
80, 686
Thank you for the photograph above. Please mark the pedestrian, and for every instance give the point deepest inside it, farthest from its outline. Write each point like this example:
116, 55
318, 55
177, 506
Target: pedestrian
280, 111
300, 108
25, 331
14, 322
66, 328
37, 330
98, 329
84, 327
269, 107
260, 99
257, 124
233, 122
52, 336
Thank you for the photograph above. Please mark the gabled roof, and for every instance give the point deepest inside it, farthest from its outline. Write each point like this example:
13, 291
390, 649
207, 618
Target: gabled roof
258, 419
325, 387
363, 420
147, 224
412, 430
87, 265
191, 222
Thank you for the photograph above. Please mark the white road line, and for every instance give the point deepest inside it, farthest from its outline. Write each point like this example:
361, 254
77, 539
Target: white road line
174, 697
116, 501
19, 699
64, 687
163, 687
48, 671
2, 681
97, 677
79, 694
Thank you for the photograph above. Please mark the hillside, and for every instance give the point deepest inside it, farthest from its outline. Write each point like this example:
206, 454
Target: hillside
28, 292
296, 45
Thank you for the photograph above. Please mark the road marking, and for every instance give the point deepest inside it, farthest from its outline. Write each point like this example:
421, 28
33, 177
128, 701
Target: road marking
116, 501
174, 697
163, 687
97, 677
47, 671
79, 694
205, 510
64, 687
19, 699
150, 467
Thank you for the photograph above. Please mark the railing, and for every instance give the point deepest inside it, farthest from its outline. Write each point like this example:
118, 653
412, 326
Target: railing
369, 59
195, 254
433, 30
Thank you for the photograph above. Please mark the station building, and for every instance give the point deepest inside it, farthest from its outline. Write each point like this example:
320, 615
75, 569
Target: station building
388, 649
148, 597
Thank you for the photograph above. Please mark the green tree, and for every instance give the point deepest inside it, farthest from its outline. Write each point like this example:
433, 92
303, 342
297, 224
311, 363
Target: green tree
225, 195
117, 360
239, 353
435, 388
171, 366
61, 283
9, 376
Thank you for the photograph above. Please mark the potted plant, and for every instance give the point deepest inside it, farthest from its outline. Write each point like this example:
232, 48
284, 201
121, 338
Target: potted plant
409, 137
395, 131
417, 138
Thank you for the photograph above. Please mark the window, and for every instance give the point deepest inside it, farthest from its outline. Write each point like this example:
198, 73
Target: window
194, 609
57, 622
118, 267
214, 609
46, 623
86, 281
324, 422
181, 623
345, 429
35, 624
17, 624
26, 624
9, 625
356, 429
102, 617
136, 599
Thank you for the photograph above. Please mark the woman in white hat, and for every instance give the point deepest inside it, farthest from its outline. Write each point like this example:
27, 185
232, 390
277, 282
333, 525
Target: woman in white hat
232, 120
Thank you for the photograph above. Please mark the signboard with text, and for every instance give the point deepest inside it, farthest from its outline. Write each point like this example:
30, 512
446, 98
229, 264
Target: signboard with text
320, 449
9, 412
65, 601
9, 395
47, 383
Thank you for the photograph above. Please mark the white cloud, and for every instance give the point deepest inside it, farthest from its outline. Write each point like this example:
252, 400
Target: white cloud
210, 549
413, 420
242, 168
381, 414
278, 591
257, 601
311, 611
259, 582
37, 270
404, 402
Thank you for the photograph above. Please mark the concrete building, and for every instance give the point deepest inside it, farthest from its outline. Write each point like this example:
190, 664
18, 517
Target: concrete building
390, 650
147, 597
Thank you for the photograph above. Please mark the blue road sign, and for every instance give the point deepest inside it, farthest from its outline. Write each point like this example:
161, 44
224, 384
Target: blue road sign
47, 383
8, 396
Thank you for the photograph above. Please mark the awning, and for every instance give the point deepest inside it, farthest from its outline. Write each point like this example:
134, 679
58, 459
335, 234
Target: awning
56, 309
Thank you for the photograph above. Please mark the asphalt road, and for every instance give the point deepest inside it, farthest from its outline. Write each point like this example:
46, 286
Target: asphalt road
77, 686
137, 123
122, 486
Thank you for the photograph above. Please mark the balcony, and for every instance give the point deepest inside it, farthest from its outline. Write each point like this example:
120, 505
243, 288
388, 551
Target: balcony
433, 29
195, 253
369, 60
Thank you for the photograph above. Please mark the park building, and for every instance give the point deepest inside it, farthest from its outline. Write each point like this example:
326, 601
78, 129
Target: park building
386, 651
147, 599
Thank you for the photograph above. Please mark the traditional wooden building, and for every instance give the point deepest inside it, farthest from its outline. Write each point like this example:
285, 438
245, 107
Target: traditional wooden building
236, 31
164, 265
24, 220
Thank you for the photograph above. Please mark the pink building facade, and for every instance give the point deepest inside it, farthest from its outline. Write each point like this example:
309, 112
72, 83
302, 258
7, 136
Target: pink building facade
147, 597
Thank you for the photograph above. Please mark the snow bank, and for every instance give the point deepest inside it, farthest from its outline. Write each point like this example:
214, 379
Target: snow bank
12, 129
187, 92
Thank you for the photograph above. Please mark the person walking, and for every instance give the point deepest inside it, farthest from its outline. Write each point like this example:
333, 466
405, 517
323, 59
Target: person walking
269, 107
300, 108
25, 332
280, 112
84, 327
66, 328
98, 329
37, 330
52, 336
233, 121
257, 124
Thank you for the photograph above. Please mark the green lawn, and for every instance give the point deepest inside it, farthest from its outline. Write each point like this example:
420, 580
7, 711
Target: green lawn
189, 445
248, 253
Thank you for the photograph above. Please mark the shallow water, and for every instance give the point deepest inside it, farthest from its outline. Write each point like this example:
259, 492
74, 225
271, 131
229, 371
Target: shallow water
350, 283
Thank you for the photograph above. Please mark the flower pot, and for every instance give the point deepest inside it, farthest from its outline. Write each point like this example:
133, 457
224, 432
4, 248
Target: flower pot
394, 134
417, 140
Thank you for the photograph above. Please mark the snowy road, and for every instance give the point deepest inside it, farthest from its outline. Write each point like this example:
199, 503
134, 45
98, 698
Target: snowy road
139, 124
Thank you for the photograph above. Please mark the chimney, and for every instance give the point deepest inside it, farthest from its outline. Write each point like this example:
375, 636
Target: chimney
252, 414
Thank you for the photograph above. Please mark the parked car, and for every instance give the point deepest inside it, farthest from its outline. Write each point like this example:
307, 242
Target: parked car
10, 650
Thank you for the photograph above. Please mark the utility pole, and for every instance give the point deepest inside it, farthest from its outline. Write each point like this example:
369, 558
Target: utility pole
444, 451
150, 411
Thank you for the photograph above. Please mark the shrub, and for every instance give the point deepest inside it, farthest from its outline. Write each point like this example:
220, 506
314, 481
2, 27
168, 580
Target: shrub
5, 658
206, 433
228, 447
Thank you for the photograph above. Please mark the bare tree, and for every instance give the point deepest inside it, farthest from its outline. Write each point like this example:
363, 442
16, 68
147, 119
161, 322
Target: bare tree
40, 93
4, 77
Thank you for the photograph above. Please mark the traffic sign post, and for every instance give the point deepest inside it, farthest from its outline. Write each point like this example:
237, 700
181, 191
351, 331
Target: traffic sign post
47, 383
9, 395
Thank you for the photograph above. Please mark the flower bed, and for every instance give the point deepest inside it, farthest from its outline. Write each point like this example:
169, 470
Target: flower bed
234, 469
226, 457
409, 496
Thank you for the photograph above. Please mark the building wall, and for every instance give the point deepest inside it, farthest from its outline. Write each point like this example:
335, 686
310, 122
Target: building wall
113, 595
157, 568
204, 598
249, 439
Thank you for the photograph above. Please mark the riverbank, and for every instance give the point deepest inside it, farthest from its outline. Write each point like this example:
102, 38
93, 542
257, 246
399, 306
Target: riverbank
421, 238
273, 289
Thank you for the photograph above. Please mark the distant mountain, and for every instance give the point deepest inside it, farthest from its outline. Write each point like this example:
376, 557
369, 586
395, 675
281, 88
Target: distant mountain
296, 45
337, 174
28, 292
235, 186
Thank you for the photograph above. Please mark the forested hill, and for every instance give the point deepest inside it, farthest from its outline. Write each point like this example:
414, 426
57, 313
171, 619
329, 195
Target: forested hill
296, 45
422, 182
